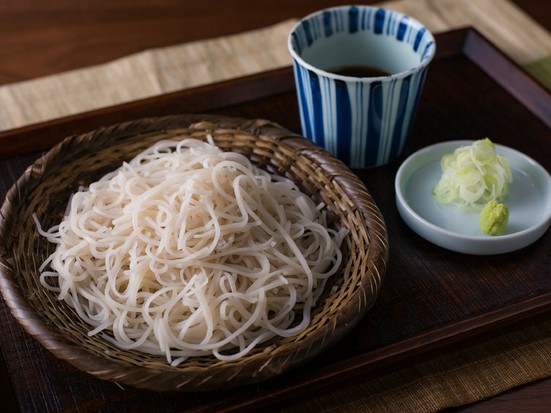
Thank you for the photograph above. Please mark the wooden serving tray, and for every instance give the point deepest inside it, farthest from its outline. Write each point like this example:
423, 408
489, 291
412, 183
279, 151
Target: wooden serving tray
432, 299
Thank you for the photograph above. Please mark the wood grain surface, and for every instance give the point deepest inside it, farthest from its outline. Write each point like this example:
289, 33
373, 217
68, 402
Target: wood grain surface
42, 38
46, 37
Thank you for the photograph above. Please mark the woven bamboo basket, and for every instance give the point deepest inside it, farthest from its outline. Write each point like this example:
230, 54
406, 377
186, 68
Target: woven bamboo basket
45, 187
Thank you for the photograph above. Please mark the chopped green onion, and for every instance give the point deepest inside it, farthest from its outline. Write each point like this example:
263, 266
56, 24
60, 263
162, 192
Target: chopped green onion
473, 175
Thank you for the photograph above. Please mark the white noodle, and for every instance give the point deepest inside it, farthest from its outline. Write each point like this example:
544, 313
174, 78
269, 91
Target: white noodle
187, 250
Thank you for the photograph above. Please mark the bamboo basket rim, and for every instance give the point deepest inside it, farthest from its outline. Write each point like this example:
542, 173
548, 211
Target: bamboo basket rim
268, 145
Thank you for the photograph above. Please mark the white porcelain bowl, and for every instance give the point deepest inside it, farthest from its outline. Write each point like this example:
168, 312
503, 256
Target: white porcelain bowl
450, 227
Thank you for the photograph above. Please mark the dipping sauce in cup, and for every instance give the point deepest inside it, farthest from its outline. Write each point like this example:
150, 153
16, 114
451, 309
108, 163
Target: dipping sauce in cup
359, 72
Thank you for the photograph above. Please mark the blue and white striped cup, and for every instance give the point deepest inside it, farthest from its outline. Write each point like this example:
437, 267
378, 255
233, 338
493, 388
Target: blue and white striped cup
364, 120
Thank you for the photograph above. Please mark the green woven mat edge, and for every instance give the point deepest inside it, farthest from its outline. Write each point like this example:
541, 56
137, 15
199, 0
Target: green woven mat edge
541, 70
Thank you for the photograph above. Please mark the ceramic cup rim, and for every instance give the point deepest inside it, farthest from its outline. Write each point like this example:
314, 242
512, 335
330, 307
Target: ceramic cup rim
398, 75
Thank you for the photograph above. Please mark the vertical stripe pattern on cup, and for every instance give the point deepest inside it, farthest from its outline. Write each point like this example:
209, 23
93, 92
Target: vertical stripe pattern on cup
350, 133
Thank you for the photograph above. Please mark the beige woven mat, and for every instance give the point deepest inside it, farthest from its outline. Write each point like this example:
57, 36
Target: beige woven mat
163, 70
457, 378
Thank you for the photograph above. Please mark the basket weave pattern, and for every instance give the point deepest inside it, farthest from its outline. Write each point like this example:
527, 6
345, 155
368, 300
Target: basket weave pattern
45, 187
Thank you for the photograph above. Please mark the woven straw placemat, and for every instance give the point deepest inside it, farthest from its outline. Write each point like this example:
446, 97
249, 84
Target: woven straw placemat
158, 71
456, 378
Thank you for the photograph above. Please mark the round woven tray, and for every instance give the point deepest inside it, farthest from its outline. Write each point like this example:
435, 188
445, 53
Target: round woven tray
45, 187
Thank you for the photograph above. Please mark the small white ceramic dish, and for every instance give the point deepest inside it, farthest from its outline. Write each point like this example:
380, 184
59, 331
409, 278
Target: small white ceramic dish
450, 227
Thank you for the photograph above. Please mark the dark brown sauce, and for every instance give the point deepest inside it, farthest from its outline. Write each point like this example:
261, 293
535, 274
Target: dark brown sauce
358, 71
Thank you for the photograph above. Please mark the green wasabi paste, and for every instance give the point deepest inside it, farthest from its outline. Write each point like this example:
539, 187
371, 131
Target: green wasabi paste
494, 217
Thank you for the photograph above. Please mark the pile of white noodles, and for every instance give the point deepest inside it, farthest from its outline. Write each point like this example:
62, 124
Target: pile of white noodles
188, 250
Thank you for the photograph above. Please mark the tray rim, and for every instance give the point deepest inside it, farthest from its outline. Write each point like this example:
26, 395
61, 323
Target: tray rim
460, 41
43, 135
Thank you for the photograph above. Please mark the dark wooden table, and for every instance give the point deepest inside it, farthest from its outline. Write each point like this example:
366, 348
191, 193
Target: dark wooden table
42, 38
